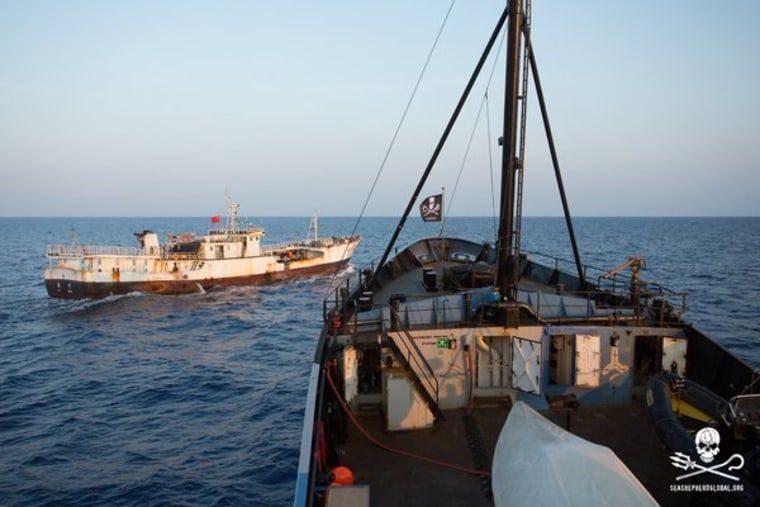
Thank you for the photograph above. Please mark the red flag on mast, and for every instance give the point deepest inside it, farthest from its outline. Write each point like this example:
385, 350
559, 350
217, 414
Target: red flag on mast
216, 219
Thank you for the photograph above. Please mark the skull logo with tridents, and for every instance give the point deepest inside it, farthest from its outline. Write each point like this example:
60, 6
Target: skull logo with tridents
708, 441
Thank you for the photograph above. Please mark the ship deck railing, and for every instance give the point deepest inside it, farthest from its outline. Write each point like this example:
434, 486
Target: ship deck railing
442, 312
445, 312
561, 270
281, 247
309, 244
612, 299
99, 250
235, 233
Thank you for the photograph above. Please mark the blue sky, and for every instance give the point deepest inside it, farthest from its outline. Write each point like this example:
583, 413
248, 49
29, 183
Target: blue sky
156, 108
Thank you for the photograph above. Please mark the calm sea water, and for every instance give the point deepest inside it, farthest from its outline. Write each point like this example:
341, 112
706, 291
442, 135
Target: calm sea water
198, 400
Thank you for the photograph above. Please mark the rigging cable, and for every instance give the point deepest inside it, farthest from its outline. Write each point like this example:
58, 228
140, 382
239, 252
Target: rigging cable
483, 103
444, 137
403, 116
400, 123
490, 171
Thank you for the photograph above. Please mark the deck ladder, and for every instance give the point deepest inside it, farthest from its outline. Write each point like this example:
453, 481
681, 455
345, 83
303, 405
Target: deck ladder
414, 362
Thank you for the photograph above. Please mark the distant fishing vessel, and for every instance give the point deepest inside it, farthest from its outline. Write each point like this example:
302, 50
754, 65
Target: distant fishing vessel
189, 263
445, 374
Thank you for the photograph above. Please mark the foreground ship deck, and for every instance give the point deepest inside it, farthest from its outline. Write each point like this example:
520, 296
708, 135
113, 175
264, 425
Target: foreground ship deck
426, 367
626, 429
438, 345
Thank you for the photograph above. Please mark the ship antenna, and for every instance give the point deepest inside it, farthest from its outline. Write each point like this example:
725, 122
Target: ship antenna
232, 215
518, 38
313, 226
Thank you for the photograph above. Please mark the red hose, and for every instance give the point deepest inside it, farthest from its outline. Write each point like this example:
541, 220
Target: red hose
401, 452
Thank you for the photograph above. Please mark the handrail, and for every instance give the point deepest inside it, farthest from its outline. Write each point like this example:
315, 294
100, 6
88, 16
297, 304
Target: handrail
163, 253
558, 264
354, 322
613, 294
82, 250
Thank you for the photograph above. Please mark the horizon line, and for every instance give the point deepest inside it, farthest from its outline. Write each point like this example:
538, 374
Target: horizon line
365, 217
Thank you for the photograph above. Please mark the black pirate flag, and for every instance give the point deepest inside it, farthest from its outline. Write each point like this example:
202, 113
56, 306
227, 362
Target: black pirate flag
431, 209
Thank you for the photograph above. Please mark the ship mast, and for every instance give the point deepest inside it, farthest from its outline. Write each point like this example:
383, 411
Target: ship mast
513, 142
507, 274
508, 241
233, 209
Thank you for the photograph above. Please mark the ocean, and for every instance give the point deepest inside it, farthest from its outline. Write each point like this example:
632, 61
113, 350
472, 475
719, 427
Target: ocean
198, 399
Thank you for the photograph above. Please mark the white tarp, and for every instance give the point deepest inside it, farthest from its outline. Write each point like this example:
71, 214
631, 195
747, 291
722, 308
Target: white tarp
538, 463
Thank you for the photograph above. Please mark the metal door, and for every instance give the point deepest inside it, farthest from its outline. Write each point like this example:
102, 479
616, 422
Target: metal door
526, 365
587, 360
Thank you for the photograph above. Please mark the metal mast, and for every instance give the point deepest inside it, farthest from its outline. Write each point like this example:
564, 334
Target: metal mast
506, 279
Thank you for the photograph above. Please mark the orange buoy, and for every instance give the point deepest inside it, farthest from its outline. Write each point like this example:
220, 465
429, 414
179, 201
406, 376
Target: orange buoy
343, 476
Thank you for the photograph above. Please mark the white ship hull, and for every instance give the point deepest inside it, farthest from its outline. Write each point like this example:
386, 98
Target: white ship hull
189, 263
105, 275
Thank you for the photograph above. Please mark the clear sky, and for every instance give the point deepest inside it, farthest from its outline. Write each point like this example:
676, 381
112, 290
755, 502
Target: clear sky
157, 107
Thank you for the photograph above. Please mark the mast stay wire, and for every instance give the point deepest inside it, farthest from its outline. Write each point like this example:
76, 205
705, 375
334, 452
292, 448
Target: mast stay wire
398, 127
483, 104
490, 172
403, 116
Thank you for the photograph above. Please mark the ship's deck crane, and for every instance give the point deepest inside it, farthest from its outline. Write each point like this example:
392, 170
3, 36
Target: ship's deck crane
636, 264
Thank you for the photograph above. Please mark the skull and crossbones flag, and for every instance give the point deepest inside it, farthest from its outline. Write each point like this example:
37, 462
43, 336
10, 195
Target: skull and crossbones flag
431, 209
